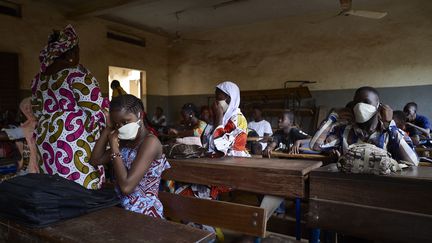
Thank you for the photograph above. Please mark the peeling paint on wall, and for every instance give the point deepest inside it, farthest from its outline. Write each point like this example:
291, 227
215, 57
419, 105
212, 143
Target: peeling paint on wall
339, 52
28, 35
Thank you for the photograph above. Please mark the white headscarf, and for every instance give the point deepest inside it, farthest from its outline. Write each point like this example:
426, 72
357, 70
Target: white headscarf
233, 91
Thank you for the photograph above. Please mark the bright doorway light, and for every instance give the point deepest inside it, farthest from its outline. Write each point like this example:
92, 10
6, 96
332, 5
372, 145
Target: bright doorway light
131, 80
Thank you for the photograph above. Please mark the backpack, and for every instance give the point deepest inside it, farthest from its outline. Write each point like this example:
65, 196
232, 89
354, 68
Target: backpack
39, 200
365, 158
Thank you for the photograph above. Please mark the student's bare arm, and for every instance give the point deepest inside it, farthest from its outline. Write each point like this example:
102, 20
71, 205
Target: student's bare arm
128, 180
425, 131
270, 147
295, 149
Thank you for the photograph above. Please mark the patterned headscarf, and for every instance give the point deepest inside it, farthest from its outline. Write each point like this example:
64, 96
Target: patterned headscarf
65, 40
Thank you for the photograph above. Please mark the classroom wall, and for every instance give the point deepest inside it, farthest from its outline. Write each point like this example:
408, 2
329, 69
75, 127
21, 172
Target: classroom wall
339, 53
28, 35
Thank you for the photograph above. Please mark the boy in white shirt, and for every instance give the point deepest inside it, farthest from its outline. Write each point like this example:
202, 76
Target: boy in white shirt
262, 128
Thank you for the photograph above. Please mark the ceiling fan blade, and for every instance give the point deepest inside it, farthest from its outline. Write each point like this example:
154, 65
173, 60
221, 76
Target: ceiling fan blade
198, 41
366, 14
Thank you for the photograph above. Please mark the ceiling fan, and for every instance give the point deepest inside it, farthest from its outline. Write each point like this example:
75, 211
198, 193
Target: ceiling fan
346, 9
178, 39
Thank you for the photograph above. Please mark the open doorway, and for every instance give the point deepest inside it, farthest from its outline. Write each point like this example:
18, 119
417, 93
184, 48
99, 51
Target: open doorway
131, 80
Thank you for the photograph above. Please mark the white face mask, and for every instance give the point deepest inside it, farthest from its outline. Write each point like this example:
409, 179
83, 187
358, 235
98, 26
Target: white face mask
224, 105
364, 112
129, 131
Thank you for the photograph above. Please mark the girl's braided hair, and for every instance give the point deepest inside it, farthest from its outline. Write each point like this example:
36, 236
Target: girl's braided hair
127, 102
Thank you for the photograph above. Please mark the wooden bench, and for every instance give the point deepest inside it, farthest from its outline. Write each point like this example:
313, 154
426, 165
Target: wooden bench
395, 207
263, 176
107, 225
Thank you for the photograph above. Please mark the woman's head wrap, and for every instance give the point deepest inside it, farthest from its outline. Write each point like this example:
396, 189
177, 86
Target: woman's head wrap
59, 43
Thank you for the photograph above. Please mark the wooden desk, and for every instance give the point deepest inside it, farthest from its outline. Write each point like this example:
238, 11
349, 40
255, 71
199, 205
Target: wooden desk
264, 176
318, 157
276, 177
107, 225
421, 149
395, 207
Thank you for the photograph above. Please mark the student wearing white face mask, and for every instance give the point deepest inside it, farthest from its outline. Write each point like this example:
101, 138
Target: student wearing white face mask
228, 138
365, 120
230, 134
136, 154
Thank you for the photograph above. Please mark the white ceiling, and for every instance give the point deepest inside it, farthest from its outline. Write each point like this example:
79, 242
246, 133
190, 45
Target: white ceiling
170, 16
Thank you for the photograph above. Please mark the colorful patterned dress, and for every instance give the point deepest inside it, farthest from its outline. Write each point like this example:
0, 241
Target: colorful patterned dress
231, 138
144, 199
69, 108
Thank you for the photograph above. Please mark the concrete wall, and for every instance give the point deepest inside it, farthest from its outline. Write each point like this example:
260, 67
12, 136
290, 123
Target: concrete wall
28, 35
340, 53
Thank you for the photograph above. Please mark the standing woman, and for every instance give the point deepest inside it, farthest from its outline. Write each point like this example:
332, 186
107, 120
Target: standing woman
69, 107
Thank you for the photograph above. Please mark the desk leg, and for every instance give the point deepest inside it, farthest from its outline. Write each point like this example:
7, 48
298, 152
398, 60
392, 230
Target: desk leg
315, 237
298, 218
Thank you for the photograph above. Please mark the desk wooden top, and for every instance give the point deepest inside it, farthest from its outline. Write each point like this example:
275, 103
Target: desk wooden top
115, 225
413, 173
408, 190
267, 176
394, 207
421, 149
319, 157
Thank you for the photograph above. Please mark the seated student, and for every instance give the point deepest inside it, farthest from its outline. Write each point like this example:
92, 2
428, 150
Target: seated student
288, 137
159, 120
27, 147
400, 118
368, 121
136, 155
206, 114
149, 126
24, 140
228, 138
230, 134
261, 128
194, 127
417, 124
